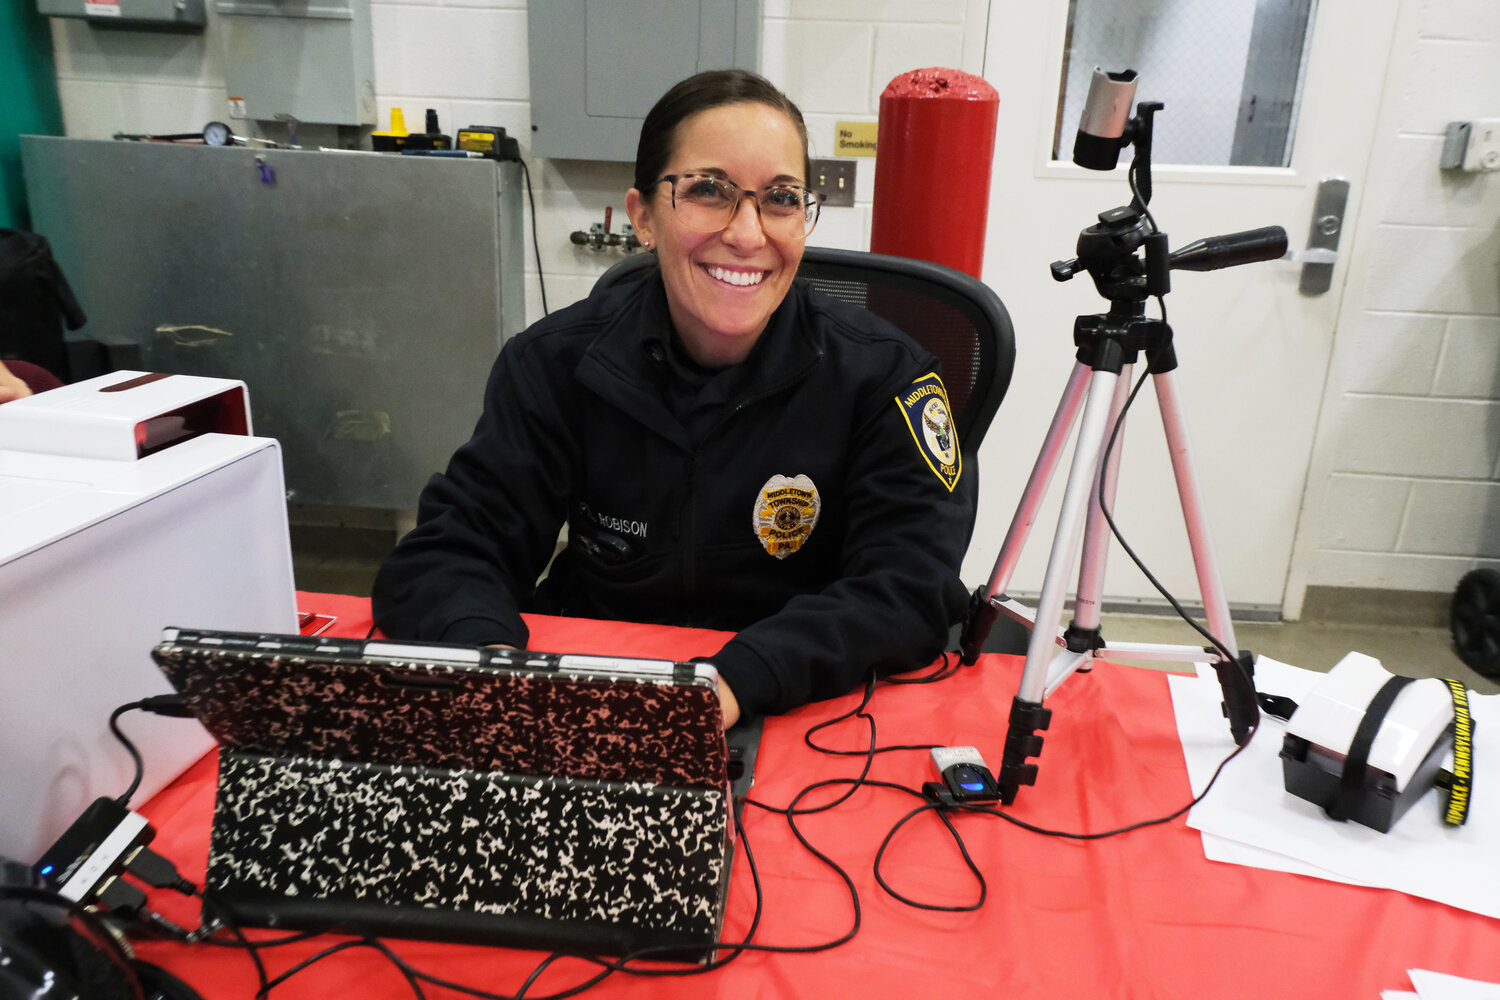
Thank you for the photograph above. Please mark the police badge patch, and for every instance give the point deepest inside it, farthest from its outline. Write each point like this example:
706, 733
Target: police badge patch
786, 511
925, 407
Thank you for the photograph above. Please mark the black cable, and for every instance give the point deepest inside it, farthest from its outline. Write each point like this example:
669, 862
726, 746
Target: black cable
411, 975
256, 945
399, 963
966, 807
963, 849
621, 964
135, 755
303, 965
948, 669
536, 244
859, 710
1135, 191
416, 976
1223, 651
221, 913
1119, 536
734, 948
162, 704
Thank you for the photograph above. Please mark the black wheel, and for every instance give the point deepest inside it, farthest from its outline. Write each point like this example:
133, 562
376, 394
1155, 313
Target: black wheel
1475, 621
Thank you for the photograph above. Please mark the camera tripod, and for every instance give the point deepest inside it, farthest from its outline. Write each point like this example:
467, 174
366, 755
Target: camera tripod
1109, 345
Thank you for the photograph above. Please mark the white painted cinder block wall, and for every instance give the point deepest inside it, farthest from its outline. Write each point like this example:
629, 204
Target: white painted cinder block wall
1406, 471
468, 60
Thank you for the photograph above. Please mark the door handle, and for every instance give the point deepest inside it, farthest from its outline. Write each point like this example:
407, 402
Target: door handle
1318, 256
1323, 236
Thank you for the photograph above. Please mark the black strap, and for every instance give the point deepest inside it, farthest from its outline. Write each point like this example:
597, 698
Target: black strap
1277, 705
1351, 784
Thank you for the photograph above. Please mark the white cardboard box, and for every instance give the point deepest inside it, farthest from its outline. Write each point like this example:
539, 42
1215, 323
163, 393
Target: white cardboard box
97, 556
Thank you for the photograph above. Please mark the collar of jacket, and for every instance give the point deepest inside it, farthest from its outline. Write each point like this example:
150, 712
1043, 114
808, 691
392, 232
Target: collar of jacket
619, 365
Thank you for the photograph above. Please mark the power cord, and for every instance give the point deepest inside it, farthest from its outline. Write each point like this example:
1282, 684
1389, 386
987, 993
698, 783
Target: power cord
156, 871
536, 245
162, 704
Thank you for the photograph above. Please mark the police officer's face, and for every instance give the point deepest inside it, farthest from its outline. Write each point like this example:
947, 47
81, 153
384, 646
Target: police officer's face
722, 287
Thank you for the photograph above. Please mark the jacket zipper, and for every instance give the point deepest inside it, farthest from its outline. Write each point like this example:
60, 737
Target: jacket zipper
689, 533
690, 500
765, 393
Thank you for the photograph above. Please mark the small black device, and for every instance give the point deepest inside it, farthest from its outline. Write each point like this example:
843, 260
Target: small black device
432, 138
45, 952
964, 773
92, 850
488, 140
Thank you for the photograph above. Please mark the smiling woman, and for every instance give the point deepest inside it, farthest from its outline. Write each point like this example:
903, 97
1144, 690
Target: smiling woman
727, 223
727, 447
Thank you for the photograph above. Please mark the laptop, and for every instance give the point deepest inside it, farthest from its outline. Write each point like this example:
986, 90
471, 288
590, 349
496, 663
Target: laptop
508, 797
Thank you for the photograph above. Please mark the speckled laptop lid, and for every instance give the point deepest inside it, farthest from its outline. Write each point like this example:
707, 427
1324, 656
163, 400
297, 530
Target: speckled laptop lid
433, 705
493, 796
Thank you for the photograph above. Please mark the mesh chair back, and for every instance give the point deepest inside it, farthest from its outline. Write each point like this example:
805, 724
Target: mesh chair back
954, 315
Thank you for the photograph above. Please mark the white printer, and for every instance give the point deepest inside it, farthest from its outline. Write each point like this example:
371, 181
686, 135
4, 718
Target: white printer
128, 503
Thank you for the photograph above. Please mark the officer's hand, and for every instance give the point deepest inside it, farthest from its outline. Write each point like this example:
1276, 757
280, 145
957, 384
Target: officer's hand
729, 705
11, 386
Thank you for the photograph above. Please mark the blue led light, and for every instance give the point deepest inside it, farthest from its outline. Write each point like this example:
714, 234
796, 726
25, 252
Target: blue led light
47, 870
972, 786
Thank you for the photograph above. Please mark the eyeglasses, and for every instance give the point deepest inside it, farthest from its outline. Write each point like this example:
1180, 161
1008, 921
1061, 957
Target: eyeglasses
707, 204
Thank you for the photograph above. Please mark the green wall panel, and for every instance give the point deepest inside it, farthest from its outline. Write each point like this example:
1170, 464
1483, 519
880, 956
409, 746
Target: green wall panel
28, 99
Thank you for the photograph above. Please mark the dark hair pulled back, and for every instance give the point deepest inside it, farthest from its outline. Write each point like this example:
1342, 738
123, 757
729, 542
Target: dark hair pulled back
711, 89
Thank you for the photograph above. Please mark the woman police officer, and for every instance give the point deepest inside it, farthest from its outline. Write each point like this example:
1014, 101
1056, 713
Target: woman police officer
728, 448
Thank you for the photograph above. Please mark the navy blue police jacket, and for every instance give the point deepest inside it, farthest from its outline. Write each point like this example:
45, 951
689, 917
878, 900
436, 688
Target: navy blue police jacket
820, 511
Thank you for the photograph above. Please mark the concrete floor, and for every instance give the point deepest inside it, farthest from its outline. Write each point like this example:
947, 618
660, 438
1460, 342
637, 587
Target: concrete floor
1409, 650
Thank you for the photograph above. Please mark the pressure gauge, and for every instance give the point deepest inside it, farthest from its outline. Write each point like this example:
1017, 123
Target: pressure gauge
217, 134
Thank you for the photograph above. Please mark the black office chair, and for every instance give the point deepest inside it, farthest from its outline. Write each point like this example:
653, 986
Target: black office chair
955, 316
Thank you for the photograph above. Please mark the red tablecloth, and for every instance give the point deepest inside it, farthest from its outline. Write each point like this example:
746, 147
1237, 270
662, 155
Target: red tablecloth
1142, 915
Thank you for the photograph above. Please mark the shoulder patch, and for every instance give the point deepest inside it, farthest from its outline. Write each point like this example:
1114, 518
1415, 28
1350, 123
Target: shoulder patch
924, 406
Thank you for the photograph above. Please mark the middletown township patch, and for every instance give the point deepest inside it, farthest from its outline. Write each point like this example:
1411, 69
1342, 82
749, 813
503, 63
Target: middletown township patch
925, 407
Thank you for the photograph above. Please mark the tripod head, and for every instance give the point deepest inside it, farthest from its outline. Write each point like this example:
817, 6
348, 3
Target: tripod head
1111, 250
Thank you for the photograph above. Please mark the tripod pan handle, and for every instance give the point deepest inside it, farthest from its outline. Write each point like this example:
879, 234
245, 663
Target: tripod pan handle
1214, 252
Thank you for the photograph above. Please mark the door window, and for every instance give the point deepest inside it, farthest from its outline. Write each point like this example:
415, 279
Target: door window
1229, 73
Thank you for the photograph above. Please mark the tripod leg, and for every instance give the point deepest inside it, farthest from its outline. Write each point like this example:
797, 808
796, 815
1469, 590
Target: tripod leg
1026, 712
1235, 676
1096, 537
1065, 543
1041, 477
984, 606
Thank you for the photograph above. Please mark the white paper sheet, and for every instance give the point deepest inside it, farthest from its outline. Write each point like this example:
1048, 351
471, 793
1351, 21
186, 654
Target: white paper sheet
1249, 818
1438, 986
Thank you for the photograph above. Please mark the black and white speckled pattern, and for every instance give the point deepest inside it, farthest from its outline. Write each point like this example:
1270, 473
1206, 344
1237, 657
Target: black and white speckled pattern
643, 863
485, 719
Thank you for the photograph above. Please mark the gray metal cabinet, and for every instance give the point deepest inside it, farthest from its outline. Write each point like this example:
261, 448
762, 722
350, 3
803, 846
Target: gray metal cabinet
597, 66
361, 297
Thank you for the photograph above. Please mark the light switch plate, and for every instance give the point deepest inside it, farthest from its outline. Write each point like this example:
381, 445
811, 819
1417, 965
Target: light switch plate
835, 178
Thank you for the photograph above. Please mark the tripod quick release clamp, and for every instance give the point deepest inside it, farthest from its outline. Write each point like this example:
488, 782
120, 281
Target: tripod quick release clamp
1021, 744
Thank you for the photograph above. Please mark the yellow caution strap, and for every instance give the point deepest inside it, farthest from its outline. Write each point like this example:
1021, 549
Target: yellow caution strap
1463, 756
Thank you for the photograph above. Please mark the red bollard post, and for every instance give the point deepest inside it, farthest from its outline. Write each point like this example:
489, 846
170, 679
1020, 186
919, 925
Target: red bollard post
932, 167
